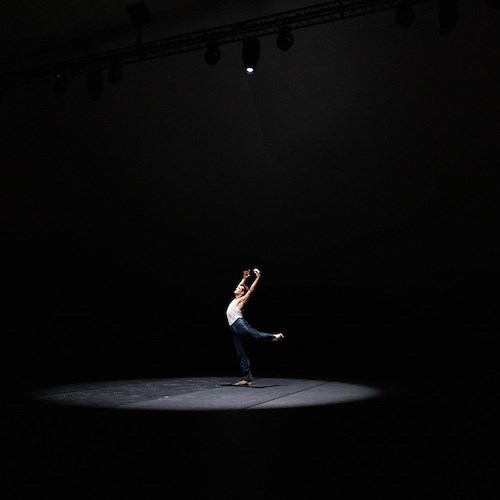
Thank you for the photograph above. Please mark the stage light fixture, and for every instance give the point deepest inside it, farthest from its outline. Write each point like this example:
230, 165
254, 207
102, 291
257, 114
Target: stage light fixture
447, 15
60, 84
114, 73
212, 54
94, 83
405, 16
251, 53
139, 13
284, 40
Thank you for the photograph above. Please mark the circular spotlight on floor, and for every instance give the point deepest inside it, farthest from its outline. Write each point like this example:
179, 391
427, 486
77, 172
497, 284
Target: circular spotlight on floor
207, 394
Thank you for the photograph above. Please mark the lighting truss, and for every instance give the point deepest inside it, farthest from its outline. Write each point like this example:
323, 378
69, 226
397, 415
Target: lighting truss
268, 25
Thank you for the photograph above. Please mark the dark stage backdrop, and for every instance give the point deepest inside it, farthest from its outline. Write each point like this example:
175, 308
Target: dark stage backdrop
359, 171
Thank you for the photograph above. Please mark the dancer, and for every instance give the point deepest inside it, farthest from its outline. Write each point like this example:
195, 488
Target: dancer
239, 326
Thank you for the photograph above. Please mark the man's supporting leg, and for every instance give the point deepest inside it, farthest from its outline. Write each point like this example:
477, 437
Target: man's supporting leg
242, 358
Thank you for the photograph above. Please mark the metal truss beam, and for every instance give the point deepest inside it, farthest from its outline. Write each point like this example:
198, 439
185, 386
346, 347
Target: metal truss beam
268, 25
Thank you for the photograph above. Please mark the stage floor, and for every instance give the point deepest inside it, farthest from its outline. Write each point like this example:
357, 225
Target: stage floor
193, 437
206, 393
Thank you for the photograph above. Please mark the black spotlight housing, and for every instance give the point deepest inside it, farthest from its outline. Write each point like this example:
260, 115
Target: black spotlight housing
212, 54
284, 40
447, 16
405, 16
114, 73
251, 53
94, 83
60, 84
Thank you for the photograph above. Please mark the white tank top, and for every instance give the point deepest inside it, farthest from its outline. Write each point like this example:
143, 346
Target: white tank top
233, 312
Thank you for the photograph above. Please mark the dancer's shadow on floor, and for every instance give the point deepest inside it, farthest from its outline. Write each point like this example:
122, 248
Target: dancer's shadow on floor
250, 386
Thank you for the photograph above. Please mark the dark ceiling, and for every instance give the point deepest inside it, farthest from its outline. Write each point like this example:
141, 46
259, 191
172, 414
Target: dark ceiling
34, 31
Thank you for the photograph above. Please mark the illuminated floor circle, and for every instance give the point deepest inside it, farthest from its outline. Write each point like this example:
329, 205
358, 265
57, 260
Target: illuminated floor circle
206, 393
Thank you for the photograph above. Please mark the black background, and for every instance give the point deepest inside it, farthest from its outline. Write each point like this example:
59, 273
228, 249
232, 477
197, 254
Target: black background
358, 171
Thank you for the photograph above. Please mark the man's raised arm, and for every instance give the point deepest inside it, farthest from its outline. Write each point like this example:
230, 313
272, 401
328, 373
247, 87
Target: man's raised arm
255, 282
246, 275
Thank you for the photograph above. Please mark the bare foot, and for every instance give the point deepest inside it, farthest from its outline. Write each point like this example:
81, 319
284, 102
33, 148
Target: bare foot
243, 382
279, 336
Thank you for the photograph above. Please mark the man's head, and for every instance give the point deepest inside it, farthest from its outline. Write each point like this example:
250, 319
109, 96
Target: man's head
240, 290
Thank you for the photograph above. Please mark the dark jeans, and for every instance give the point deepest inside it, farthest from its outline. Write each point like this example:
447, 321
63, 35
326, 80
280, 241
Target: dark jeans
239, 329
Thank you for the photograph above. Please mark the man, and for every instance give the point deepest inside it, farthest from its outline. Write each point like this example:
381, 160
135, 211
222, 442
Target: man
239, 326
